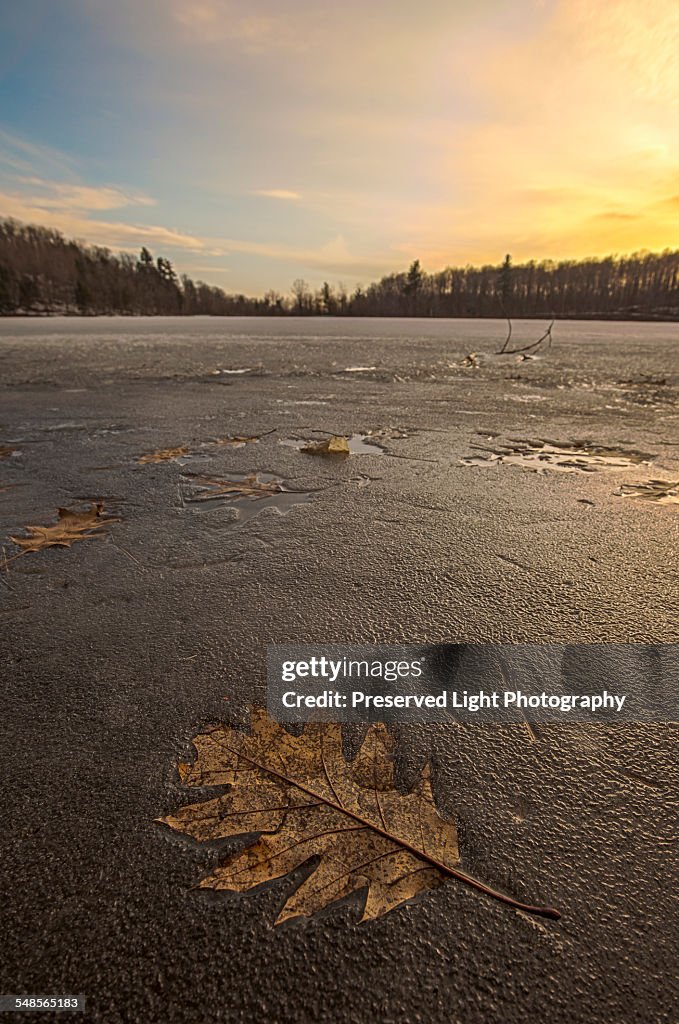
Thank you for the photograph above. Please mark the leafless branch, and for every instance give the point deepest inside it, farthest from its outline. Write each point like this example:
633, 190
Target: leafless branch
509, 332
547, 336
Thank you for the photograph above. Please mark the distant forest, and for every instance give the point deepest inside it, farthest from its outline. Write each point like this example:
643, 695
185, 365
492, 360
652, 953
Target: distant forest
41, 272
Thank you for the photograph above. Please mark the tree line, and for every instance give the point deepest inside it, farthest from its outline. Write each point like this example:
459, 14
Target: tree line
42, 272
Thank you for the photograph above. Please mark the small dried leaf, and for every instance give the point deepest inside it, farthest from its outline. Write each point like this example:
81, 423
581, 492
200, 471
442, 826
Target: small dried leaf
470, 360
234, 442
71, 527
251, 486
662, 492
163, 455
6, 451
334, 445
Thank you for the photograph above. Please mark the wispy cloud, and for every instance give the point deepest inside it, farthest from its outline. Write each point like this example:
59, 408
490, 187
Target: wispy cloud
72, 218
276, 193
23, 155
51, 195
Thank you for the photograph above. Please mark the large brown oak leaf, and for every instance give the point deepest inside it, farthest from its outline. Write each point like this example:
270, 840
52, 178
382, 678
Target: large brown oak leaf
307, 801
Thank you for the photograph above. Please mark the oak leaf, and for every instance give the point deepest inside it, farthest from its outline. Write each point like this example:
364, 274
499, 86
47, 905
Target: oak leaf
251, 486
335, 445
71, 527
239, 440
306, 802
163, 455
663, 492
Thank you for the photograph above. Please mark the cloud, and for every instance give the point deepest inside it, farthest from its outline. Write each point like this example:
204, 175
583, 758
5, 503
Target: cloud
73, 221
276, 193
68, 207
615, 215
209, 268
331, 254
58, 196
24, 156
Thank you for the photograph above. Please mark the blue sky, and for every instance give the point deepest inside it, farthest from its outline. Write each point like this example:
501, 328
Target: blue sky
258, 142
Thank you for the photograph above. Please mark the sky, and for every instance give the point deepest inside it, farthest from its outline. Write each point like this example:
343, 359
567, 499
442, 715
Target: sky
257, 141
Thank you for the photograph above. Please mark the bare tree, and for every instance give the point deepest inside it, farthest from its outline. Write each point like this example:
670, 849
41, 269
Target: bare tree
302, 296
